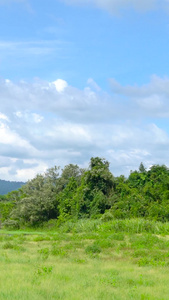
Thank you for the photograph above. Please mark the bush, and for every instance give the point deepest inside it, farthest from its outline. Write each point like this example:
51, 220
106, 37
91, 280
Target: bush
93, 249
108, 216
11, 224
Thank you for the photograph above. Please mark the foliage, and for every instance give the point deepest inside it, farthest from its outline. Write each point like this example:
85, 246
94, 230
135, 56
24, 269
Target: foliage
74, 193
96, 187
67, 205
5, 209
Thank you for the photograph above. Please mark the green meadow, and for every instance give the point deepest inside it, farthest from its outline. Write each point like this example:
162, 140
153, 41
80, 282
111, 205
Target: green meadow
88, 259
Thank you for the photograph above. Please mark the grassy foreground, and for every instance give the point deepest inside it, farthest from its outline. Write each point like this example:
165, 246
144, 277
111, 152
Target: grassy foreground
90, 259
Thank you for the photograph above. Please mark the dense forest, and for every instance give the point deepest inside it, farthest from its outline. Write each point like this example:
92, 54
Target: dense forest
9, 186
73, 193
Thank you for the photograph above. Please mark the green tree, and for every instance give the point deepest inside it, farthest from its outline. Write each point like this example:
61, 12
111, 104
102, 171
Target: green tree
96, 187
67, 203
39, 202
99, 177
71, 171
142, 169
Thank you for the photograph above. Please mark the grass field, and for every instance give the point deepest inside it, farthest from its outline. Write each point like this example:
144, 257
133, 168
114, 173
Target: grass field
90, 259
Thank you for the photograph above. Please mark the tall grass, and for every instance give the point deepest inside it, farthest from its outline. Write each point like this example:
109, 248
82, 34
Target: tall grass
88, 259
126, 225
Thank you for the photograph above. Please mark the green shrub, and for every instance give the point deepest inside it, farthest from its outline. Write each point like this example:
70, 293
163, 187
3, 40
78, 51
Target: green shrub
43, 270
44, 252
56, 251
11, 224
107, 216
93, 249
8, 245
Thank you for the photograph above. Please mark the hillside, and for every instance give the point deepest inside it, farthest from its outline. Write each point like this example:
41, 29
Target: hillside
9, 186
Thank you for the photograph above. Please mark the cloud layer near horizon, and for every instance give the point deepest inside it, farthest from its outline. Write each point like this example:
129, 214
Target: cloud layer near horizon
43, 124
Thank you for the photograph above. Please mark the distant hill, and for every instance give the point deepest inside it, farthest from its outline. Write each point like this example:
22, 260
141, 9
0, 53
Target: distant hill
9, 186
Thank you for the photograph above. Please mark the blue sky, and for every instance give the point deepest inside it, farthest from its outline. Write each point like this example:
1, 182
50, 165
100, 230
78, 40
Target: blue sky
81, 79
52, 39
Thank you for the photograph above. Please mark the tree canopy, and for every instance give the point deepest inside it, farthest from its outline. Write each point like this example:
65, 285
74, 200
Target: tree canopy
73, 193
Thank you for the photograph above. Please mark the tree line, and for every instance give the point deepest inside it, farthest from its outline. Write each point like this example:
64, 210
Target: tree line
74, 193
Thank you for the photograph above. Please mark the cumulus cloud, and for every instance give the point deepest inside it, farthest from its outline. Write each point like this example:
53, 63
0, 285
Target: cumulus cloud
156, 85
114, 6
43, 124
3, 117
60, 85
151, 99
29, 117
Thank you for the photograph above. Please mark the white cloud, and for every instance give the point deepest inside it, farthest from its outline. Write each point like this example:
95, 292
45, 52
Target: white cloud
155, 86
153, 102
3, 117
42, 47
37, 118
29, 117
60, 85
30, 172
93, 84
43, 124
10, 138
113, 6
151, 98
